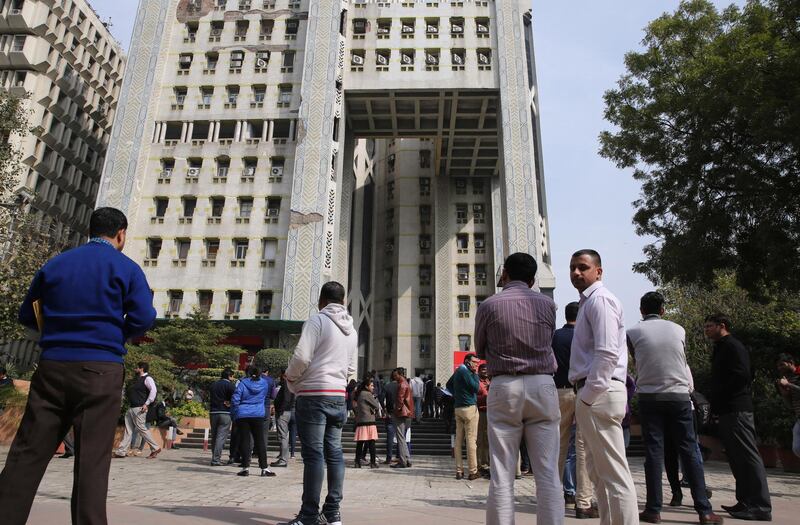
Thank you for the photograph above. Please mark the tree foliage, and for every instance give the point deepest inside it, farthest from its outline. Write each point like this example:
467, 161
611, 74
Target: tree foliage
162, 370
766, 329
707, 115
275, 359
194, 341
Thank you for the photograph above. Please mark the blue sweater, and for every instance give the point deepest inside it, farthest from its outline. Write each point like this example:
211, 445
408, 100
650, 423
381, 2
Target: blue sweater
248, 399
93, 299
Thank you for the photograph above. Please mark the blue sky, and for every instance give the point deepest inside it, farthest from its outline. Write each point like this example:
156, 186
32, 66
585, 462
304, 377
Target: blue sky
580, 47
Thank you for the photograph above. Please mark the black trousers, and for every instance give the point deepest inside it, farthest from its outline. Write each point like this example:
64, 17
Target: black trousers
252, 428
738, 434
361, 450
86, 396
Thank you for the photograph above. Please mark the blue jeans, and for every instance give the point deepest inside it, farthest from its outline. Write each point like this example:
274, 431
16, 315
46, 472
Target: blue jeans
569, 465
319, 423
389, 439
418, 408
674, 418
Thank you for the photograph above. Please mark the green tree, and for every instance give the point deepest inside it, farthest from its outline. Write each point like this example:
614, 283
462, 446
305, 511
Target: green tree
276, 359
194, 342
707, 116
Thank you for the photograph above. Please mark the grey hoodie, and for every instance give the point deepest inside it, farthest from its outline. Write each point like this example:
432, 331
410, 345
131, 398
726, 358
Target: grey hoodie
326, 354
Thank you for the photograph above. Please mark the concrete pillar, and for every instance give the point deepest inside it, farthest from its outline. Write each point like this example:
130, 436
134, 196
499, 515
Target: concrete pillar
264, 131
156, 133
184, 128
163, 136
211, 126
189, 131
292, 125
271, 124
237, 132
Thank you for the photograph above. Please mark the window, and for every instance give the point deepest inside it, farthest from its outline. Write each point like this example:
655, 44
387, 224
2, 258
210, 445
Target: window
482, 27
204, 300
390, 190
262, 61
424, 347
359, 26
387, 348
189, 204
244, 5
180, 96
191, 32
249, 168
461, 214
259, 92
292, 26
462, 273
463, 306
223, 166
161, 206
424, 214
265, 29
425, 273
477, 186
184, 62
241, 30
288, 62
461, 186
478, 213
425, 244
431, 61
464, 342
206, 93
284, 95
175, 300
407, 28
382, 57
480, 275
462, 243
217, 205
215, 33
480, 243
425, 158
264, 302
269, 251
240, 248
212, 249
357, 59
237, 59
388, 246
390, 219
182, 248
387, 310
457, 27
153, 248
407, 60
245, 207
424, 186
273, 208
457, 59
233, 96
18, 44
234, 302
432, 28
193, 169
167, 166
276, 170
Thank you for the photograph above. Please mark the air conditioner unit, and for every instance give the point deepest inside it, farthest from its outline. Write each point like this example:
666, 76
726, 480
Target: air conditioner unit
480, 243
250, 171
432, 60
483, 28
406, 59
381, 60
277, 171
454, 28
432, 29
194, 172
261, 63
185, 60
480, 276
461, 183
384, 30
273, 212
424, 301
425, 245
357, 60
407, 29
483, 58
458, 59
424, 310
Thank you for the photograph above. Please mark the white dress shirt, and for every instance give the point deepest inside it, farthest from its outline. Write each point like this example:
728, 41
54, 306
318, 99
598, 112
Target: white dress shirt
151, 389
599, 348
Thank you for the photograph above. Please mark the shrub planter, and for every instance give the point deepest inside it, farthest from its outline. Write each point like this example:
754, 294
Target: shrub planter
769, 455
790, 462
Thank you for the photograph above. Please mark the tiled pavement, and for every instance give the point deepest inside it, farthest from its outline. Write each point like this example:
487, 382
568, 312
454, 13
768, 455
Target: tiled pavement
181, 488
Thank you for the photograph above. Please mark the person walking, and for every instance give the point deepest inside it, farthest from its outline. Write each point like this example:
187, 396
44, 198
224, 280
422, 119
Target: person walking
284, 412
598, 369
464, 384
91, 300
402, 416
324, 359
562, 344
417, 392
732, 400
789, 389
221, 395
390, 394
483, 424
248, 409
141, 394
428, 396
665, 408
367, 409
514, 334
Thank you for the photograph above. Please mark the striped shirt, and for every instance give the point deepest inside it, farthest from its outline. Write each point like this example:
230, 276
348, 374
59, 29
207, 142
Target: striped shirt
514, 331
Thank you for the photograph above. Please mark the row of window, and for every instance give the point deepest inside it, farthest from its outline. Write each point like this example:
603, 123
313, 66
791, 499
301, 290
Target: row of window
383, 27
225, 132
233, 299
246, 5
464, 303
240, 247
478, 185
222, 167
425, 244
431, 59
236, 61
241, 29
217, 207
258, 93
425, 274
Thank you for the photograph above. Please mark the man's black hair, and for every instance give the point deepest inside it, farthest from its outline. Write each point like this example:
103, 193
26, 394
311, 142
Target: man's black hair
782, 358
253, 372
591, 253
651, 303
106, 222
571, 311
332, 292
469, 357
520, 267
143, 365
226, 373
719, 318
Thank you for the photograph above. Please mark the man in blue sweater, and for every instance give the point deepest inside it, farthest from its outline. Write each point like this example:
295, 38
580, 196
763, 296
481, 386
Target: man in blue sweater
464, 384
92, 299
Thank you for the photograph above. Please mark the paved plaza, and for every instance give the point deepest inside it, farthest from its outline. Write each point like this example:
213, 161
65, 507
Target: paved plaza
181, 488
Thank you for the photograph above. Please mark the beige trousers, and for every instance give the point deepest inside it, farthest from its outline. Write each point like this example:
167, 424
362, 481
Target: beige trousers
601, 426
467, 427
584, 489
566, 402
518, 406
483, 440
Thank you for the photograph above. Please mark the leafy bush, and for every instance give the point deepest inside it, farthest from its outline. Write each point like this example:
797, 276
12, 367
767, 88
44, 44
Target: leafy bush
189, 409
276, 359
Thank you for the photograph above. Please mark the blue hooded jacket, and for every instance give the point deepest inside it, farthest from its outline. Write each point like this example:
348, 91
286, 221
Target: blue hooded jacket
248, 399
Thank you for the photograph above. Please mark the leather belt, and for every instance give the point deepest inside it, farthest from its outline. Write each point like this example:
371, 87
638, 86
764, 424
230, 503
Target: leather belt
580, 383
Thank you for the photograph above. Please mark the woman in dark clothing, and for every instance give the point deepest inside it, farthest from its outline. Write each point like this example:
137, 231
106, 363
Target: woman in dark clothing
247, 409
367, 408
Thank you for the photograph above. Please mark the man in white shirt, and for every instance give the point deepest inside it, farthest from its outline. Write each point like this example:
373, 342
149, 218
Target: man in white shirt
417, 391
598, 368
141, 394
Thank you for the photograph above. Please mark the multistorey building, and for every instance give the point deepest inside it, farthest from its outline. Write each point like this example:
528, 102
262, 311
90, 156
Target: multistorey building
268, 146
64, 58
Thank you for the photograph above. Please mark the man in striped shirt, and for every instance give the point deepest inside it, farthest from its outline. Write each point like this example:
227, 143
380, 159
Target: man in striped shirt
513, 333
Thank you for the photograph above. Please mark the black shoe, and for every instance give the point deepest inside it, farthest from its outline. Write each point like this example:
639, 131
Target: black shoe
569, 499
179, 432
245, 472
459, 475
709, 493
400, 465
585, 514
65, 455
231, 462
267, 473
751, 515
216, 464
330, 519
373, 465
739, 507
278, 463
676, 501
357, 464
649, 517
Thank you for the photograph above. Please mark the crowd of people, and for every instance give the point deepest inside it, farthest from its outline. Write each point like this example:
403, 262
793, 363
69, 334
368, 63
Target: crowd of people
531, 399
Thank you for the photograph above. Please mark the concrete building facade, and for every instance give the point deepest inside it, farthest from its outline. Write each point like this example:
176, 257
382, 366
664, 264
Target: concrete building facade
63, 56
268, 146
